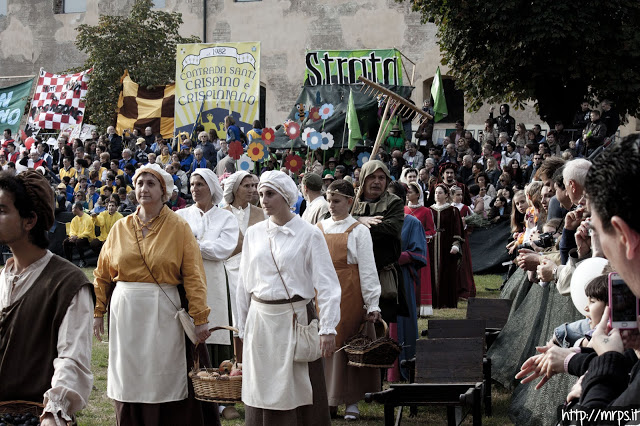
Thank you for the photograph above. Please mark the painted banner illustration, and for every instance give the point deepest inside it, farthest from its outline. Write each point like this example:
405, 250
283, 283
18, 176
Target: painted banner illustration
214, 80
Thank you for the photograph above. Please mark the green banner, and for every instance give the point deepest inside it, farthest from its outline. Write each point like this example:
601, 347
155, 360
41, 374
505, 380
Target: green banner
13, 99
384, 66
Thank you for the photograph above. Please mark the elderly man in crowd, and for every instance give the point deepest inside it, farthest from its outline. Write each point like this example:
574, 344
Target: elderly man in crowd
383, 214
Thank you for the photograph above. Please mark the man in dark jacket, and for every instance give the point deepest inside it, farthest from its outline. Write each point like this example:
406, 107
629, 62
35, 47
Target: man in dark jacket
115, 143
593, 135
504, 121
610, 118
582, 117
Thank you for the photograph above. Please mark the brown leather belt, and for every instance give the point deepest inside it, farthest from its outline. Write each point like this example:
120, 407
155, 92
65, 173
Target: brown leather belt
294, 299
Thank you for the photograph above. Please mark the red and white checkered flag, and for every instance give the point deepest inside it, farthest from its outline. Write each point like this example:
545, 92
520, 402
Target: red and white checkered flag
59, 100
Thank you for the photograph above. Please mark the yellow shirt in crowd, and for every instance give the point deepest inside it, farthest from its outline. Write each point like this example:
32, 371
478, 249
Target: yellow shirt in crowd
171, 252
71, 172
105, 222
82, 227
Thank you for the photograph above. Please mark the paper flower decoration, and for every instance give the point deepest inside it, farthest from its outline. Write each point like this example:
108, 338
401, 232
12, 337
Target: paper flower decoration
268, 135
305, 134
293, 130
326, 111
363, 157
255, 151
314, 114
235, 150
245, 163
294, 163
327, 141
314, 140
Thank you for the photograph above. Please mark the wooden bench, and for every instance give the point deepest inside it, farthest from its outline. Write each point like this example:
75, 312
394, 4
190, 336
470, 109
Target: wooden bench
447, 372
494, 311
465, 328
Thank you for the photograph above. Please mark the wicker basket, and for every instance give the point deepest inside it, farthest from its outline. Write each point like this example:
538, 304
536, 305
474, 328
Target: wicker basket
380, 353
21, 407
225, 389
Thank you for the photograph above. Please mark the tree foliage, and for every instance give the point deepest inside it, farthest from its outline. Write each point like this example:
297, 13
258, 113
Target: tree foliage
554, 52
144, 43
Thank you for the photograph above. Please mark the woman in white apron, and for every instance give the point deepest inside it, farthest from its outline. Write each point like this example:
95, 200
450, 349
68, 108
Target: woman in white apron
216, 232
285, 260
148, 254
239, 189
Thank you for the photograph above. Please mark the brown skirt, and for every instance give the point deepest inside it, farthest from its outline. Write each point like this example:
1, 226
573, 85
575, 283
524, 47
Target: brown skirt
346, 384
316, 414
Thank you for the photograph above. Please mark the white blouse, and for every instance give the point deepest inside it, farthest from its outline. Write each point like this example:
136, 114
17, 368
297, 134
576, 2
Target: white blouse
360, 252
72, 379
303, 259
216, 231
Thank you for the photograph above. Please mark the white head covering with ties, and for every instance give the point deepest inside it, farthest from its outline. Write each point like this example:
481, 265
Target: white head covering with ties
212, 181
231, 185
282, 184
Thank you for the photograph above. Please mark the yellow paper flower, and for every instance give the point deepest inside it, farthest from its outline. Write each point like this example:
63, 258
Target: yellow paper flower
255, 151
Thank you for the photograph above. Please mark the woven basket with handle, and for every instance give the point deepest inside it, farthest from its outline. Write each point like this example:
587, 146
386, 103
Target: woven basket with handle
211, 388
362, 351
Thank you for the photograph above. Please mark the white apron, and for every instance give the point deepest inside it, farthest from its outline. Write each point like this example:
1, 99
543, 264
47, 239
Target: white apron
217, 300
232, 266
147, 361
270, 378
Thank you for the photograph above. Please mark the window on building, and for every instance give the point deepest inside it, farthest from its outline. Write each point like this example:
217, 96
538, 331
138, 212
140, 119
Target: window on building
3, 7
454, 97
159, 4
74, 6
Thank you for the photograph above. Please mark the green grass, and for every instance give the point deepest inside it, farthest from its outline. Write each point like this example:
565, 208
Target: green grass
100, 410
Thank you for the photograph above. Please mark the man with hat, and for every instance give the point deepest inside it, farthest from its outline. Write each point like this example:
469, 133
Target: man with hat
383, 214
331, 167
327, 180
46, 304
395, 139
447, 176
142, 151
317, 206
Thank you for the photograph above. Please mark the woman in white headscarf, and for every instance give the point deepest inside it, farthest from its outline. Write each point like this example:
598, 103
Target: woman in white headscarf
239, 189
216, 232
285, 260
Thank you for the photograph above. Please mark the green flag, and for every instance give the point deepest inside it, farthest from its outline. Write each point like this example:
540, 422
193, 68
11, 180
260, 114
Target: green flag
12, 102
352, 122
439, 102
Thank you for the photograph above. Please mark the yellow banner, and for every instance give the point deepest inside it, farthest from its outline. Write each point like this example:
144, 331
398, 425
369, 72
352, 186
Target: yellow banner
214, 80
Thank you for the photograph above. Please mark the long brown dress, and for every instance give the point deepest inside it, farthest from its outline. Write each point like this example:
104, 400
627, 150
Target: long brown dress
444, 265
347, 384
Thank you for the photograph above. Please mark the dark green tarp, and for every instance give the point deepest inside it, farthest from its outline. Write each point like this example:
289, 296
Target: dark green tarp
338, 95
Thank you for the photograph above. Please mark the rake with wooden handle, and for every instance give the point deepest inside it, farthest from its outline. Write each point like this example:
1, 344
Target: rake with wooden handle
397, 103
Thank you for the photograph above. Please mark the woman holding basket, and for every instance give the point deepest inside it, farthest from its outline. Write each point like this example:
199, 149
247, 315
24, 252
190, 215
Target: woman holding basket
148, 255
351, 251
284, 262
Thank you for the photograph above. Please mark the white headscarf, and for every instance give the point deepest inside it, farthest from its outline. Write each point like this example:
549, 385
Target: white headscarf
212, 181
231, 185
166, 180
282, 184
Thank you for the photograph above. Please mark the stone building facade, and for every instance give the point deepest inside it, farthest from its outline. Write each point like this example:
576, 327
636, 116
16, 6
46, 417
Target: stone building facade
37, 33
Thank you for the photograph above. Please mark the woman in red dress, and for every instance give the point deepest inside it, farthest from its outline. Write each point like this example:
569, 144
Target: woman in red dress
424, 215
467, 284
